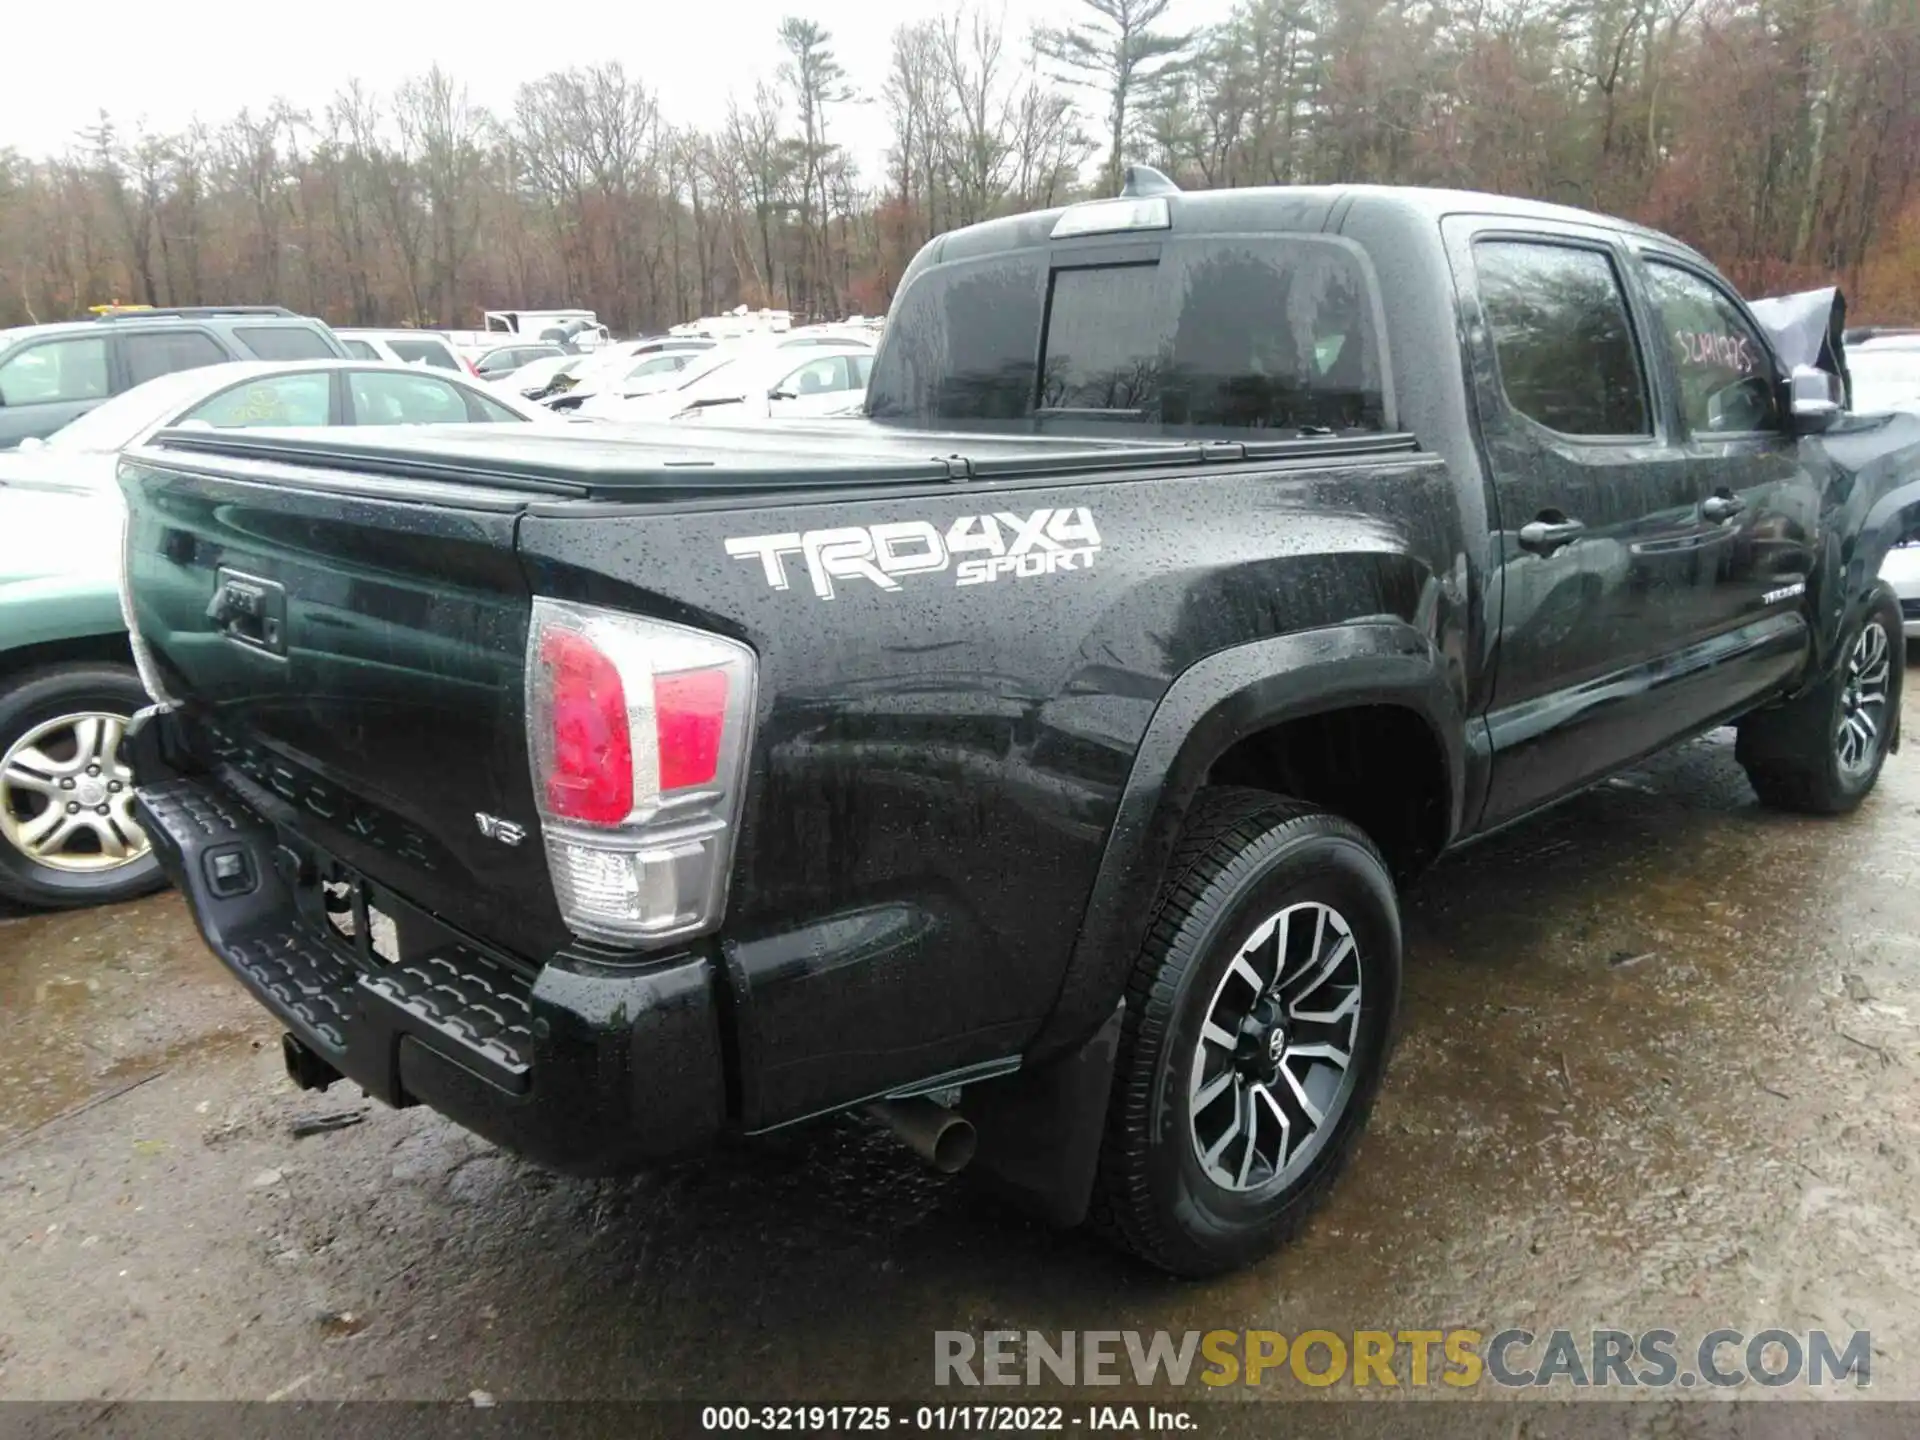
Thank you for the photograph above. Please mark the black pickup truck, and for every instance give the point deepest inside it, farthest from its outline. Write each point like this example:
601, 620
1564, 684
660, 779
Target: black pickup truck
1035, 762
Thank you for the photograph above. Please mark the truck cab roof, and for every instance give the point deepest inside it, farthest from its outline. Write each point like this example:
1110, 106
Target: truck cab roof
1278, 209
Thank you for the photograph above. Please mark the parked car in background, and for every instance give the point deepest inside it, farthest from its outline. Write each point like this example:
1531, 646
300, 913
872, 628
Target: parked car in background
578, 328
406, 347
499, 364
570, 329
1901, 570
67, 680
67, 689
625, 366
537, 379
243, 394
53, 374
754, 383
1885, 370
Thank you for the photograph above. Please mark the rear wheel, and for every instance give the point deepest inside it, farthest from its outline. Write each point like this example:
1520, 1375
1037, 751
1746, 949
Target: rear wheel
1821, 753
1256, 1032
67, 835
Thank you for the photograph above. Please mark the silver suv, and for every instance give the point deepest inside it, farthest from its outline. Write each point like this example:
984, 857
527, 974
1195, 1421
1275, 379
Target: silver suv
51, 374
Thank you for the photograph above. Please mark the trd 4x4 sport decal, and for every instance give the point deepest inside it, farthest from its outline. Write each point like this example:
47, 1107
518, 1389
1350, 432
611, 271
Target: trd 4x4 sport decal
977, 548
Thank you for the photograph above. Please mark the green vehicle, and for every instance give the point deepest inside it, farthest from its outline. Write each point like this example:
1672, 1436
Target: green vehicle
67, 690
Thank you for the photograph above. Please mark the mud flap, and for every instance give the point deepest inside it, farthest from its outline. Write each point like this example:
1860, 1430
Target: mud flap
1040, 1130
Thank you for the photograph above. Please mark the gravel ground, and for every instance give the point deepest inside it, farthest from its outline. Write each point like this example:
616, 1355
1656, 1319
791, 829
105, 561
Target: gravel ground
1657, 1070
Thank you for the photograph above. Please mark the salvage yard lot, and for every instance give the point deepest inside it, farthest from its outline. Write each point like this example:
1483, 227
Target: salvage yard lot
1657, 1069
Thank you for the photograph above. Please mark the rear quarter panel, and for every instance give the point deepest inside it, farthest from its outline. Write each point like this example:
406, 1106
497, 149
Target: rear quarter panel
937, 765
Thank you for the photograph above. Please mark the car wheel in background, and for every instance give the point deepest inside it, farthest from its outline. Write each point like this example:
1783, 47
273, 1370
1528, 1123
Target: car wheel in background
67, 835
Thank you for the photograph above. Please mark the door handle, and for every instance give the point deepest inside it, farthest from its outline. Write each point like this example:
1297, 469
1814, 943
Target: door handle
1722, 507
1543, 537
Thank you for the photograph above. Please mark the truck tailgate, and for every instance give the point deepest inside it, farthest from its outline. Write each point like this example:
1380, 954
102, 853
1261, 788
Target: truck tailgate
356, 657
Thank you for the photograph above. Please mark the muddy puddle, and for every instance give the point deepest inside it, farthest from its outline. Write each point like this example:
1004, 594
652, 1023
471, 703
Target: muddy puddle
1657, 1068
93, 1000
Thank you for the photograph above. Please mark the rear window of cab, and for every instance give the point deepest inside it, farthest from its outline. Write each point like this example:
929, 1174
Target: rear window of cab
1227, 333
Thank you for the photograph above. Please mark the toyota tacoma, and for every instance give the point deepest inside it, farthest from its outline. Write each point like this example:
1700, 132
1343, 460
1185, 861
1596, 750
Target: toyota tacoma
1036, 762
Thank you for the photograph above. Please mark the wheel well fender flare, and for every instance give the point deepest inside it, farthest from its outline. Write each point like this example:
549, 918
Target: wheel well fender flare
1210, 706
1891, 517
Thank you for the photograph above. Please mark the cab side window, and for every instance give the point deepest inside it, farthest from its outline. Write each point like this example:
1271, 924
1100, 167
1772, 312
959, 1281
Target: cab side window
1565, 346
1724, 366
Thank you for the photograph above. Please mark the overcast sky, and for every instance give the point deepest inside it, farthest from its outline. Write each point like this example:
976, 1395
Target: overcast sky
222, 54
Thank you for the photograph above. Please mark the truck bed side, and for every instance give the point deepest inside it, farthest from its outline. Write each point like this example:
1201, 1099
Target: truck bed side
941, 744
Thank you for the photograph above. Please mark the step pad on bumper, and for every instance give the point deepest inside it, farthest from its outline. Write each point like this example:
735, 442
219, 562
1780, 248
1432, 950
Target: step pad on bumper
482, 1010
449, 997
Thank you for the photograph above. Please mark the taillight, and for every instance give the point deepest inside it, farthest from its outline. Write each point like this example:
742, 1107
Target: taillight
591, 777
639, 733
690, 718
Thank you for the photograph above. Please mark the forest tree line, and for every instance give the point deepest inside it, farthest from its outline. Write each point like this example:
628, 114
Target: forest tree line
1781, 137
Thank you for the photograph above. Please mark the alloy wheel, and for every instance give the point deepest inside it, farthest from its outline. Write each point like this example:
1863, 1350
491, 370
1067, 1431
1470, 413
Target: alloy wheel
1273, 1067
1863, 701
66, 797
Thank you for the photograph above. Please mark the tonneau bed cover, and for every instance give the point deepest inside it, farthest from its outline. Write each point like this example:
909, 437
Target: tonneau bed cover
666, 459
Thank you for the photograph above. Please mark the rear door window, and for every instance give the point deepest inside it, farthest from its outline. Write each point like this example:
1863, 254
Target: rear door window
284, 342
424, 352
657, 365
1566, 350
55, 372
397, 397
162, 352
817, 377
359, 349
1212, 334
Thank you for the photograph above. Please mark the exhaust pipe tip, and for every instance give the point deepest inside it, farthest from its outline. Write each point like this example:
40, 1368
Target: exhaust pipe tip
945, 1140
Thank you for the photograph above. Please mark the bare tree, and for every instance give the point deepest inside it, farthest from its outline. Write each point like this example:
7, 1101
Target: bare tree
1781, 137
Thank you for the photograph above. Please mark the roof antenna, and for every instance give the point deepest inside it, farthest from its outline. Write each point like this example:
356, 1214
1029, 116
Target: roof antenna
1143, 181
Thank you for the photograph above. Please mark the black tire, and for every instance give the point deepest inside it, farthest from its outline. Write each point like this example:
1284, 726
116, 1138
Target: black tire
30, 700
1244, 856
1792, 752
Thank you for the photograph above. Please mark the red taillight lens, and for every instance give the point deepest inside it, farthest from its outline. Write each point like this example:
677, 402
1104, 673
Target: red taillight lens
592, 773
690, 715
638, 734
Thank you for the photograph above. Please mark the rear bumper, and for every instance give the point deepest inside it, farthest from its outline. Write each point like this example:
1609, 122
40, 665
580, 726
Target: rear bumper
586, 1067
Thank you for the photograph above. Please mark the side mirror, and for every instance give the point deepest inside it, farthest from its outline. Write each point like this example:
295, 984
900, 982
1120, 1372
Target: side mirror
1815, 400
778, 394
33, 442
